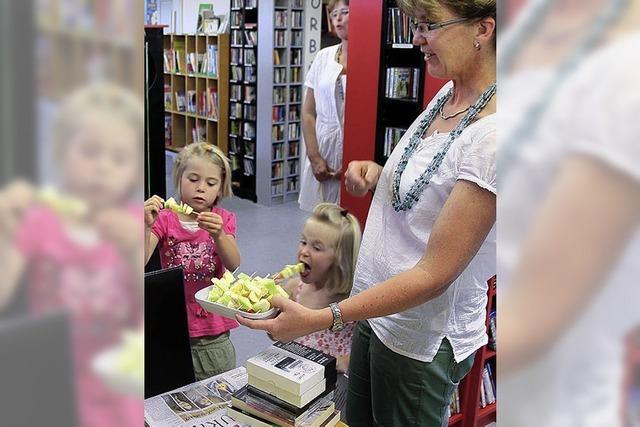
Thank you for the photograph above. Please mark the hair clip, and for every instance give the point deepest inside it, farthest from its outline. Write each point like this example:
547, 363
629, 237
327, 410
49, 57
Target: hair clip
344, 212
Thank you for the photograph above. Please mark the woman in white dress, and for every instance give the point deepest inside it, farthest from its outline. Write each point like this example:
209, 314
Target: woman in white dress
323, 117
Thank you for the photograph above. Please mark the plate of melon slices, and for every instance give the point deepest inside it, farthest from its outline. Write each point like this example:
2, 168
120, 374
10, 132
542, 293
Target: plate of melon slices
245, 295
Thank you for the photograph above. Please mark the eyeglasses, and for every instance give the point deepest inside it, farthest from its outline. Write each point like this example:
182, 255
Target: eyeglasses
344, 12
423, 28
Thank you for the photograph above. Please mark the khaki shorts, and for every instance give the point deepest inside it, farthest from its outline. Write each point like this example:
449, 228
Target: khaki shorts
212, 355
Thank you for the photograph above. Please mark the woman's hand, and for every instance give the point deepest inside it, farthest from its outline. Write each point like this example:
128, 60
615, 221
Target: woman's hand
362, 176
294, 320
152, 207
211, 222
320, 168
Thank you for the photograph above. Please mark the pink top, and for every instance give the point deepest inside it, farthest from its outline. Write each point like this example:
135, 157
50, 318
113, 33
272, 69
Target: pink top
196, 252
332, 343
93, 282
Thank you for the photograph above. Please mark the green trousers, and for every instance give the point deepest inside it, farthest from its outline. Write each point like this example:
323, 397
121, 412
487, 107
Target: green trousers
388, 389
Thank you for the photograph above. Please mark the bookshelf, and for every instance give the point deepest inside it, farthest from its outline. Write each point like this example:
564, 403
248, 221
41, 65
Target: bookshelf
401, 84
471, 387
196, 89
266, 107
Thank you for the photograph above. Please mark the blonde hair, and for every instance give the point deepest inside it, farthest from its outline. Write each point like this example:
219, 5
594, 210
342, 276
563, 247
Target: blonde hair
206, 151
332, 4
346, 246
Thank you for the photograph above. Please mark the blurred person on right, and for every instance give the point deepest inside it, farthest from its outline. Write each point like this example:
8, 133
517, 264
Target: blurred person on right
568, 213
78, 248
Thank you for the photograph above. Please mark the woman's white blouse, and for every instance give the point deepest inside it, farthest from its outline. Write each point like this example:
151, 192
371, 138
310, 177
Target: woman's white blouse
393, 242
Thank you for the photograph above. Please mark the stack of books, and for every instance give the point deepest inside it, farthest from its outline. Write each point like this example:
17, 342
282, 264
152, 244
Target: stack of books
289, 384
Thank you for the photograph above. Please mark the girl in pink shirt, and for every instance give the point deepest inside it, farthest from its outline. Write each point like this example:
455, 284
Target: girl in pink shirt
203, 244
328, 249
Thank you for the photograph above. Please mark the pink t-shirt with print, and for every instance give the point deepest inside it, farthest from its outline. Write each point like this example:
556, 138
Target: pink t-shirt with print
196, 253
90, 279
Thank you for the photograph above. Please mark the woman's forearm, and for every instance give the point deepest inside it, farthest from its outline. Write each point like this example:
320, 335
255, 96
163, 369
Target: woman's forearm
310, 137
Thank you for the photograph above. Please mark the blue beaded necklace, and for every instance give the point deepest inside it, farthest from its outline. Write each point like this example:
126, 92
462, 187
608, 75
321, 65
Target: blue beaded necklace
418, 186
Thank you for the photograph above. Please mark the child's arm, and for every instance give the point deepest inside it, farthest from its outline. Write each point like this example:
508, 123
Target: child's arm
226, 245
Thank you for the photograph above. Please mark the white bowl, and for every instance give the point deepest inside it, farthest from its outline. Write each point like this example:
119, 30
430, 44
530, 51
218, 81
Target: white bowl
223, 310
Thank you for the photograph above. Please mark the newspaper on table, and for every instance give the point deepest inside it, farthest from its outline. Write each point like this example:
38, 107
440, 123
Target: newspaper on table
200, 404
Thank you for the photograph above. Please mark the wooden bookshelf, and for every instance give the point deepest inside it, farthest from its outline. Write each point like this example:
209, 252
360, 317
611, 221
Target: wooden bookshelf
265, 107
196, 87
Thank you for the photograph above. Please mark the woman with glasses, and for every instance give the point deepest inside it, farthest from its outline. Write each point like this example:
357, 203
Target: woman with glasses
428, 248
323, 116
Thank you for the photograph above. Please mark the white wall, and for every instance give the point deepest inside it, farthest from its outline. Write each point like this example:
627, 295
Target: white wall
187, 13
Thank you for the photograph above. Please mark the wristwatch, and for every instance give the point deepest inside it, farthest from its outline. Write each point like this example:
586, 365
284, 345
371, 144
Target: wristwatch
337, 324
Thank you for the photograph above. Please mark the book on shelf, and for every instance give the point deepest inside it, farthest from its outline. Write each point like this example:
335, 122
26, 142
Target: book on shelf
251, 37
168, 98
192, 101
210, 66
200, 403
292, 184
292, 367
398, 28
276, 172
293, 148
492, 330
279, 113
250, 74
487, 390
249, 112
277, 188
277, 132
181, 102
293, 167
402, 83
249, 56
454, 406
236, 37
198, 133
167, 130
249, 93
296, 19
249, 130
249, 148
280, 18
168, 58
392, 136
212, 103
248, 167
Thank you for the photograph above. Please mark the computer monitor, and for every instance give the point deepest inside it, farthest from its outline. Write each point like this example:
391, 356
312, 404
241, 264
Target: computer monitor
36, 371
167, 350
